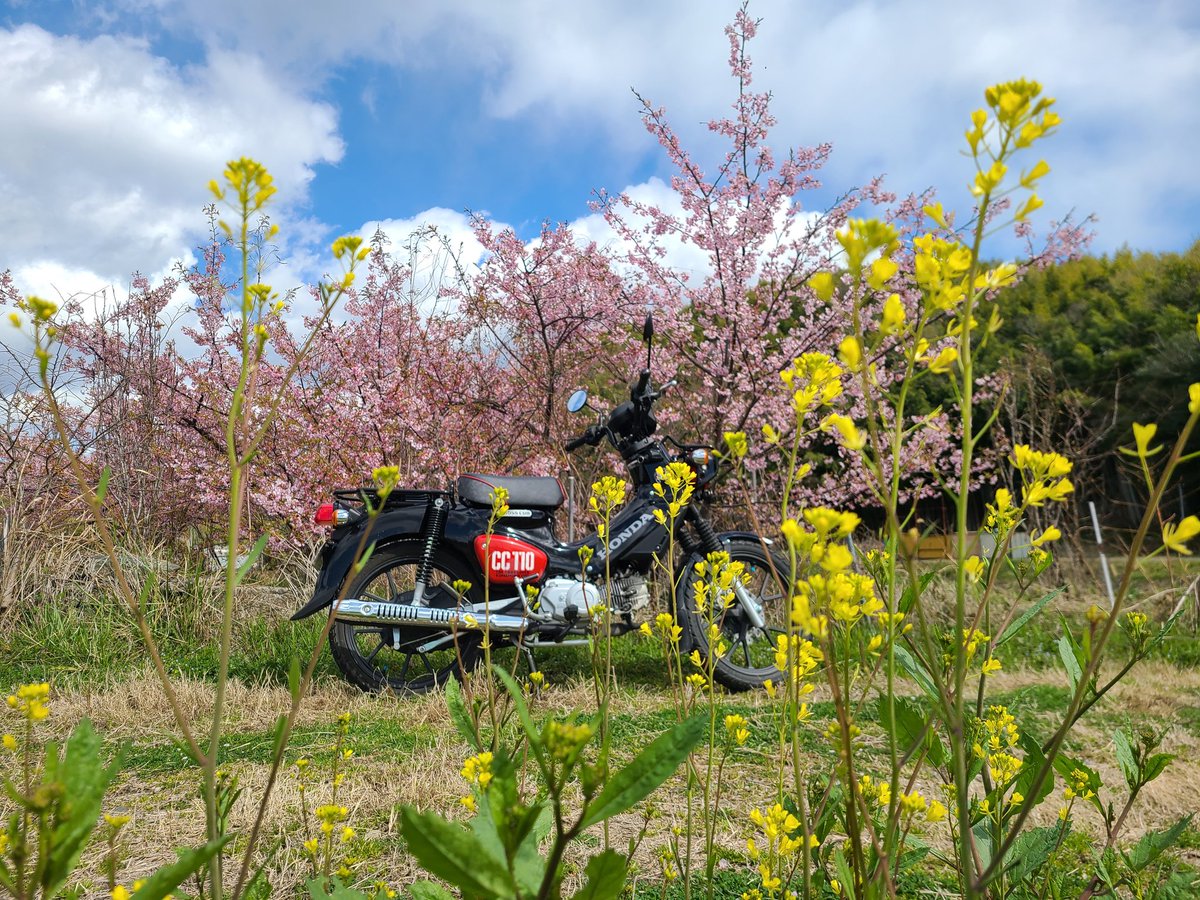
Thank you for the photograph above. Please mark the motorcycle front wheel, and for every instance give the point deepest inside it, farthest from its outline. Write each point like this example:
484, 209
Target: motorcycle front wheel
749, 660
403, 658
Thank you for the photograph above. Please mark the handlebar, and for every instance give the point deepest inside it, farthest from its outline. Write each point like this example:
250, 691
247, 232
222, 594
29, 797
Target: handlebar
591, 436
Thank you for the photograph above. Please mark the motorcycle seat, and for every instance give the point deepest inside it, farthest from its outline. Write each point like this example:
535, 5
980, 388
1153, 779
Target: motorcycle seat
523, 492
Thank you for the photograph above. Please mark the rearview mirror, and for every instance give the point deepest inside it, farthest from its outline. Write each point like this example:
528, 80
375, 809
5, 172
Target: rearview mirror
648, 329
577, 400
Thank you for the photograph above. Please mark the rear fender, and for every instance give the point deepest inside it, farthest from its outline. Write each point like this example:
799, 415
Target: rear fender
373, 535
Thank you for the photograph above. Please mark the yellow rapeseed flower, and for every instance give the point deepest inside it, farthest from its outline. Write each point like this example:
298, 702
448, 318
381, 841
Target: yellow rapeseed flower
893, 315
478, 769
1142, 436
30, 700
1175, 537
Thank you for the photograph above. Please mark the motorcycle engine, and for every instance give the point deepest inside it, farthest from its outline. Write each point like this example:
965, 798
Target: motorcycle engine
630, 593
560, 593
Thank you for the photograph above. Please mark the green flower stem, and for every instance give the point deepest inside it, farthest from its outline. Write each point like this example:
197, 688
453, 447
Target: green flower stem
1089, 671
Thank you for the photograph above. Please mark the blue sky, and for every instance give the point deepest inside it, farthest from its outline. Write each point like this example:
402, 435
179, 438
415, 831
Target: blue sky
117, 113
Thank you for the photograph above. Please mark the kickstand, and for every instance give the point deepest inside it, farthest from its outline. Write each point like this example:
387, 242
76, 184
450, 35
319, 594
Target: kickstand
528, 651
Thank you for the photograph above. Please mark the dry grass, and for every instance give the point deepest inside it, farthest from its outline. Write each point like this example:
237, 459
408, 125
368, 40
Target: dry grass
167, 810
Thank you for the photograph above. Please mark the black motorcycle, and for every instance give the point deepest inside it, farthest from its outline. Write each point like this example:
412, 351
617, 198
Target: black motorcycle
401, 624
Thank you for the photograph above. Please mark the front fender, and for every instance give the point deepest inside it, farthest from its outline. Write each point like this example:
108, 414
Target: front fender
341, 550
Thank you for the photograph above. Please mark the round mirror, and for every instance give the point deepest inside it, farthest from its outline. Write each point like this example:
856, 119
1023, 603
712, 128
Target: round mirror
577, 400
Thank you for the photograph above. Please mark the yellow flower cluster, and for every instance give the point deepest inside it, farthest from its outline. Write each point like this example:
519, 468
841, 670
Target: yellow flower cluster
1079, 785
664, 627
877, 794
915, 804
607, 494
330, 815
784, 838
565, 739
815, 380
1043, 475
30, 700
386, 478
499, 505
675, 484
120, 892
737, 444
478, 769
714, 584
737, 729
829, 590
797, 658
1002, 515
998, 735
862, 237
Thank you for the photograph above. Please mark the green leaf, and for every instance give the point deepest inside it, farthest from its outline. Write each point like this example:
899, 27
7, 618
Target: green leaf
532, 733
1125, 758
1066, 766
1035, 761
294, 677
1155, 765
280, 735
453, 854
102, 487
1015, 628
429, 890
166, 879
649, 769
1030, 851
1066, 651
916, 672
1167, 627
909, 728
319, 889
459, 715
845, 876
983, 841
1154, 843
251, 559
84, 779
604, 877
911, 591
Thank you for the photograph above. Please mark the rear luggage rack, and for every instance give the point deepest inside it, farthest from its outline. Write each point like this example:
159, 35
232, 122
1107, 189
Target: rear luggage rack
370, 495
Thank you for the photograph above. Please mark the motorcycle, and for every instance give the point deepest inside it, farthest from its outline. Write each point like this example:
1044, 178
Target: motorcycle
404, 622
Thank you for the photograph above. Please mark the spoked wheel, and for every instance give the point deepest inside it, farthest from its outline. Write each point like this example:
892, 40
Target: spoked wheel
749, 661
402, 658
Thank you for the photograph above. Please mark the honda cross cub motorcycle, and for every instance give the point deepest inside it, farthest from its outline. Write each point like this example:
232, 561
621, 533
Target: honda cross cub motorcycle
401, 625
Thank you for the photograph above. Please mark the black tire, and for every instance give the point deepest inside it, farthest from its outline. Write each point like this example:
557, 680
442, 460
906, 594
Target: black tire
367, 655
750, 660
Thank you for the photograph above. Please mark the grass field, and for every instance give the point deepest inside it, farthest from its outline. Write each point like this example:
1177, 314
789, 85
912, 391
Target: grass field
406, 749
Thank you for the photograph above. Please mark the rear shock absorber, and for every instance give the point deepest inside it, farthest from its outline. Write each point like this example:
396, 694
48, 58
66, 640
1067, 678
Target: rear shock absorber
709, 542
433, 528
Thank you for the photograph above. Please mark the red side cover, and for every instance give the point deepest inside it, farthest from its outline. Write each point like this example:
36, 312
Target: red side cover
504, 559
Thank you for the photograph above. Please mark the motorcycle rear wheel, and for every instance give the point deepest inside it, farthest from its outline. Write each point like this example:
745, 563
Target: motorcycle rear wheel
403, 658
749, 661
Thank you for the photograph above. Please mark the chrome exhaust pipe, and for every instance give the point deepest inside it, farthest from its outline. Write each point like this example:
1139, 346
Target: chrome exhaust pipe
383, 613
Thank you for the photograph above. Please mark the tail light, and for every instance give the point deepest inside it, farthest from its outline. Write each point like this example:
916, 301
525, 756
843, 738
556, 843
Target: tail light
328, 514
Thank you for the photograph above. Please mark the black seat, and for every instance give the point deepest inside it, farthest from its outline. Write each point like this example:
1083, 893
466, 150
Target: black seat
523, 492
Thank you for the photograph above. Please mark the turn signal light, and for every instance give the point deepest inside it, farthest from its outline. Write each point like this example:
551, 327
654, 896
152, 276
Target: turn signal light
328, 514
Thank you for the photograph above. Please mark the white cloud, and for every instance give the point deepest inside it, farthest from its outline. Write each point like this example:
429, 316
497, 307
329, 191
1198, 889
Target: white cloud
890, 84
107, 171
